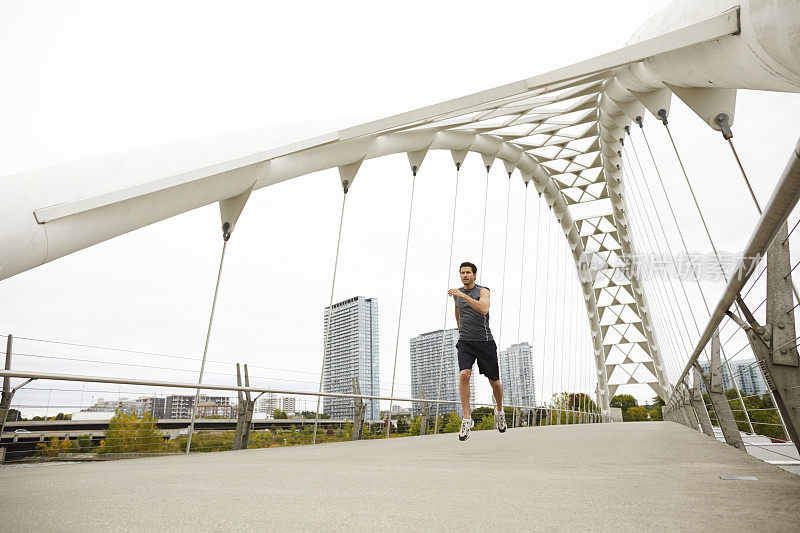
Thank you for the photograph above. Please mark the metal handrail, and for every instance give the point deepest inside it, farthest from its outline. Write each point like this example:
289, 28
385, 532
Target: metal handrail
208, 386
783, 200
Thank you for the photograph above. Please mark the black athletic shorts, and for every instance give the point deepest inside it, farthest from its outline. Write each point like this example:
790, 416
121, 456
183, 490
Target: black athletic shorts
486, 354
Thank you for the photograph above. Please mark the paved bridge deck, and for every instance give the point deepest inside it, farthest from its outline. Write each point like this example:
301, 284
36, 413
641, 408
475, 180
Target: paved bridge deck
633, 476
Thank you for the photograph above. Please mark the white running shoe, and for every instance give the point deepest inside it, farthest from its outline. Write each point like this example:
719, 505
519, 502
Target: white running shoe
466, 425
500, 421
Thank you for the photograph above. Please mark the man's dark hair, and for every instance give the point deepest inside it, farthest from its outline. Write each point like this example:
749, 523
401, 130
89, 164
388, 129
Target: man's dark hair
470, 265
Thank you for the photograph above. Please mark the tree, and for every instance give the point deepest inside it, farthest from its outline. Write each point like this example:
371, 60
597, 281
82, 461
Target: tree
453, 423
658, 402
14, 415
312, 414
570, 401
761, 411
402, 425
656, 413
128, 434
53, 447
624, 402
479, 413
416, 423
486, 421
635, 414
83, 444
277, 414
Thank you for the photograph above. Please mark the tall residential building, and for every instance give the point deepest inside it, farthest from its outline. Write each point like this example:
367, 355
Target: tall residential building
211, 409
352, 351
426, 361
179, 406
516, 374
150, 404
122, 405
270, 402
747, 374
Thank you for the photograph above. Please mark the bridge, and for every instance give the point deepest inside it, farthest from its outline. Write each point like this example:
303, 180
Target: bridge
643, 475
613, 286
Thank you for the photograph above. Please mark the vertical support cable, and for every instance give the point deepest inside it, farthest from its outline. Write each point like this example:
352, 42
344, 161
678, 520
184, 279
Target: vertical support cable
402, 293
744, 174
225, 238
485, 205
503, 278
714, 248
666, 241
520, 372
330, 311
546, 300
672, 324
522, 260
555, 328
535, 292
446, 301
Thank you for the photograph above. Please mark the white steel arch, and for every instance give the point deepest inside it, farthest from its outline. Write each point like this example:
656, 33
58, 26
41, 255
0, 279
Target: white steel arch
562, 130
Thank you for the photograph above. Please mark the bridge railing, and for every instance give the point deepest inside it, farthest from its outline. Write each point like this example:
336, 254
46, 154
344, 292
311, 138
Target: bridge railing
700, 399
128, 435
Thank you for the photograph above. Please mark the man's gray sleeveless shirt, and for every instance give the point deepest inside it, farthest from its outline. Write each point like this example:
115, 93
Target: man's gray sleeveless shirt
472, 326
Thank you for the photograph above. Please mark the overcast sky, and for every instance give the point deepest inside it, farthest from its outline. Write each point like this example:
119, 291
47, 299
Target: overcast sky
89, 78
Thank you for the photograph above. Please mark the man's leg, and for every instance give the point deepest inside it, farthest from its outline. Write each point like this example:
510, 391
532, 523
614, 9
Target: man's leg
463, 389
497, 389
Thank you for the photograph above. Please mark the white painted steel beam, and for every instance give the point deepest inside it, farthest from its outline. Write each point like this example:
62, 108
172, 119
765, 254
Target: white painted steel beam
694, 48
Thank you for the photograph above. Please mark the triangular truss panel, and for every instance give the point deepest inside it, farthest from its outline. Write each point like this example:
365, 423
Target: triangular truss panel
563, 132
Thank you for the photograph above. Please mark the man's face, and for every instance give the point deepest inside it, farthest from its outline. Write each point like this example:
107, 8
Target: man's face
467, 277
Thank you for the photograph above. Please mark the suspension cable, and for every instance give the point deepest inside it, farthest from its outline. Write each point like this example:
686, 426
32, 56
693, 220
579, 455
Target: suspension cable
522, 260
226, 235
535, 283
565, 268
330, 310
714, 248
503, 278
640, 221
680, 233
666, 241
549, 258
744, 174
402, 293
520, 373
556, 325
485, 205
447, 300
655, 239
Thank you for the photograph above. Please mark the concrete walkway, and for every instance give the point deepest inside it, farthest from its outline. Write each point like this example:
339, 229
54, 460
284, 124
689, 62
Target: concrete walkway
622, 477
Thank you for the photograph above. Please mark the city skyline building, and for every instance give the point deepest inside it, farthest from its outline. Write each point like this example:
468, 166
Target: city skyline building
352, 350
179, 406
747, 374
212, 409
426, 359
517, 375
123, 405
154, 405
270, 402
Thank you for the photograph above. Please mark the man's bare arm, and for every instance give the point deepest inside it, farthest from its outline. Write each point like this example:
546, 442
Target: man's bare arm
458, 323
481, 306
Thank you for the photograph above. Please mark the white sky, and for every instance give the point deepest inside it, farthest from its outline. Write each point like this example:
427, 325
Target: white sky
88, 78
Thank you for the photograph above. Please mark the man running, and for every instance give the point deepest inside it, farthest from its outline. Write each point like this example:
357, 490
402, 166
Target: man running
475, 342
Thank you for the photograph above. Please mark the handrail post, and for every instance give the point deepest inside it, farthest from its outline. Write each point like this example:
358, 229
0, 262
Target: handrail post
700, 405
722, 408
424, 416
359, 409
